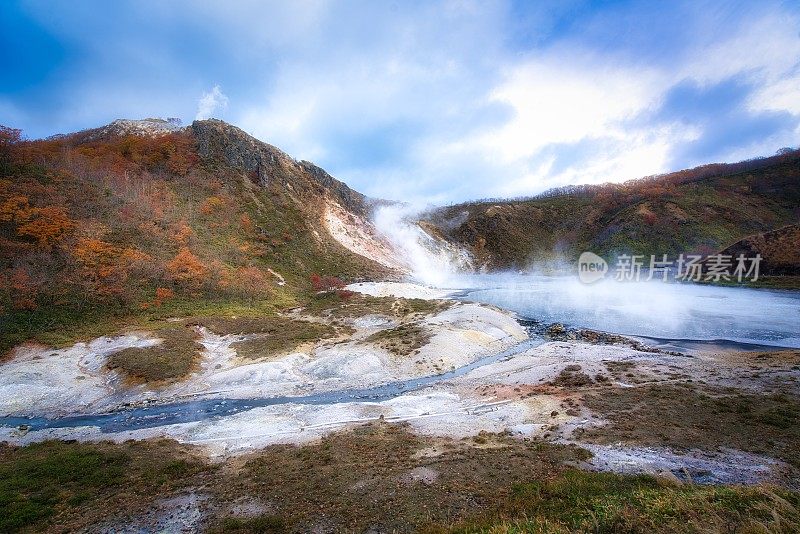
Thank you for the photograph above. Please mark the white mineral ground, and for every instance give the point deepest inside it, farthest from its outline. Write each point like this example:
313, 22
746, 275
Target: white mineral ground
41, 381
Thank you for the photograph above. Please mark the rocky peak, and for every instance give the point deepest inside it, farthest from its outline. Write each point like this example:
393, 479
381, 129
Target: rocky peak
269, 166
151, 127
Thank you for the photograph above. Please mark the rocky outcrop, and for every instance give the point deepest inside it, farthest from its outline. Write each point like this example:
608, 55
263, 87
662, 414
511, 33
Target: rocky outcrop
266, 165
151, 127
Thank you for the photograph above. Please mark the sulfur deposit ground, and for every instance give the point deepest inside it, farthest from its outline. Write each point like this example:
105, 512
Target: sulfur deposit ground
549, 402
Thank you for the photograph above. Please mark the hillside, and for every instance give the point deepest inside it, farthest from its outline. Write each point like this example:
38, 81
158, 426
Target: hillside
699, 210
779, 250
145, 218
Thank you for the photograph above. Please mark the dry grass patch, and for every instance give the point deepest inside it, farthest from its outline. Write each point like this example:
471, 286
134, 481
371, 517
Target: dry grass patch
402, 340
268, 336
685, 417
358, 305
364, 479
172, 359
572, 377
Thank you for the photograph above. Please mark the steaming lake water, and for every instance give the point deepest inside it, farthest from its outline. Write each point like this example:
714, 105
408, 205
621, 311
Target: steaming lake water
672, 314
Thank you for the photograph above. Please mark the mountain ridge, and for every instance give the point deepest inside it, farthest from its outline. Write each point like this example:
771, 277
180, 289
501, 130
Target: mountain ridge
701, 210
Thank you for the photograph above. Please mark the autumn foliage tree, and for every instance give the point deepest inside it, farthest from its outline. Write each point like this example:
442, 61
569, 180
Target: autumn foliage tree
246, 223
103, 269
163, 294
187, 271
211, 205
24, 289
329, 284
45, 226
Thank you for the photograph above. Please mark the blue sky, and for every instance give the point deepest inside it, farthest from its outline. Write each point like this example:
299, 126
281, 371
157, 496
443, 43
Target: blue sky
425, 101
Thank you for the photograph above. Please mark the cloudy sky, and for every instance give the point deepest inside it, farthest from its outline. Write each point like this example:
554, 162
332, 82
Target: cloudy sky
425, 101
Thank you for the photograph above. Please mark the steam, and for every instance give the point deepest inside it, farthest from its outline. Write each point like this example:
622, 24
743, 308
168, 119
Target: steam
432, 262
551, 292
652, 309
210, 102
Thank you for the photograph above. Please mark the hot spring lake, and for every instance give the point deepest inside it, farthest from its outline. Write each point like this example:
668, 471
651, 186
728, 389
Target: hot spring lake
669, 314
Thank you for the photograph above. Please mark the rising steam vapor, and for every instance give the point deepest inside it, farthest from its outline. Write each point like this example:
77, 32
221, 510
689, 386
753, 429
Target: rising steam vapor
432, 262
652, 309
211, 102
551, 292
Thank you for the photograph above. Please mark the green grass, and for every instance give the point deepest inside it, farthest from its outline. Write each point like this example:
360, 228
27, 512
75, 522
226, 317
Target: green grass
42, 476
264, 524
358, 305
402, 340
580, 501
42, 482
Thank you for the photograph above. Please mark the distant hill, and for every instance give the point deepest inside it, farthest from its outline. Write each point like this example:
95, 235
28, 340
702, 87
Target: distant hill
150, 219
701, 210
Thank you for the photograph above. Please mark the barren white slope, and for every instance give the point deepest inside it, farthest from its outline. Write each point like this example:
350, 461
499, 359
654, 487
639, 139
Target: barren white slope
360, 236
44, 382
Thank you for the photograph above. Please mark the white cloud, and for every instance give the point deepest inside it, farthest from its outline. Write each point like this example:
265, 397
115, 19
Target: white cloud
566, 97
439, 101
564, 102
566, 94
211, 102
763, 48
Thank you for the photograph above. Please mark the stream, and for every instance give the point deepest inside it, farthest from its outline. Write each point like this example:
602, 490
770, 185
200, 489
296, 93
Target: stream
678, 317
188, 411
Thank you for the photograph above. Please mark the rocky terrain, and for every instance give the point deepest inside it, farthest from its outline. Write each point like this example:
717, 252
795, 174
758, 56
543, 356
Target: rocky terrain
541, 400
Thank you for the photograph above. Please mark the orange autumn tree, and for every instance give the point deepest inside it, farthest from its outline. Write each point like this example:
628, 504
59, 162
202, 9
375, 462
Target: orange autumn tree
162, 295
211, 205
186, 270
103, 268
45, 225
182, 233
246, 223
24, 289
14, 209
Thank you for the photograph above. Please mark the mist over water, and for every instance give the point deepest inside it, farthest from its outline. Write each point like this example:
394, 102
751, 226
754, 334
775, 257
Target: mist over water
654, 309
651, 309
